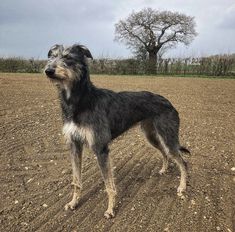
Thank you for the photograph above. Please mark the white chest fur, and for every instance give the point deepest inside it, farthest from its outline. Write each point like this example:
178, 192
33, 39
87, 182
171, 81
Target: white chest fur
83, 133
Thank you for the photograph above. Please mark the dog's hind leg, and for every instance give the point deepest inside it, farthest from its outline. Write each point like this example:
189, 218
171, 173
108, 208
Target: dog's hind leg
167, 134
150, 134
164, 136
174, 154
176, 157
76, 160
105, 165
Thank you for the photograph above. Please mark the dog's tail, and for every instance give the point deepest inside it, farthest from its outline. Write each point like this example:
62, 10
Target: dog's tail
184, 150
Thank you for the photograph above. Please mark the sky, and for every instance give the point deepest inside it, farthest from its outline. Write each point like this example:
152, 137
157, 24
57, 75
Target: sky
28, 28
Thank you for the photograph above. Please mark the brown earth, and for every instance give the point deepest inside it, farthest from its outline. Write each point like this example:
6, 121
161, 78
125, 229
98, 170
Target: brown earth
35, 171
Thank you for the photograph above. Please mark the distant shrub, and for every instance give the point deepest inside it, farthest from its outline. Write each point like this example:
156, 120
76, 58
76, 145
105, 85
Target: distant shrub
221, 65
17, 64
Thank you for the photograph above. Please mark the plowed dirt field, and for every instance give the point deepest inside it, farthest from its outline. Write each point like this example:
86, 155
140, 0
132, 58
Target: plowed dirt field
35, 170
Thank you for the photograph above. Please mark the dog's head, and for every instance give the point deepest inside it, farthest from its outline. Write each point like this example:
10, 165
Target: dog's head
65, 64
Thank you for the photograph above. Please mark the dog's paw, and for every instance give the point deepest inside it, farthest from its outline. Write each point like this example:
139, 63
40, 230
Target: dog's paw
109, 214
71, 205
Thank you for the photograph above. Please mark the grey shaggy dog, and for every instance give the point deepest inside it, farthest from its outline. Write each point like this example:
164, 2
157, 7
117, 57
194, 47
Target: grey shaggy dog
94, 117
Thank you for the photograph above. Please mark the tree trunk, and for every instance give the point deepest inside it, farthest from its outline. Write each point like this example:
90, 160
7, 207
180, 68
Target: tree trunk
152, 62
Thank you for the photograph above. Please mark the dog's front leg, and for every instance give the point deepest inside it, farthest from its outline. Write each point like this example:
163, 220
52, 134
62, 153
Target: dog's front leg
104, 162
76, 159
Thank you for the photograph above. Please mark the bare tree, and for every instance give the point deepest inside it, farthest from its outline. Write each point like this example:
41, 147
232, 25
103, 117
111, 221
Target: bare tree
148, 31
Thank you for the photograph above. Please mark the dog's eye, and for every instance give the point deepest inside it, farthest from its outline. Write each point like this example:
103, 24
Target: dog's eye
68, 60
65, 57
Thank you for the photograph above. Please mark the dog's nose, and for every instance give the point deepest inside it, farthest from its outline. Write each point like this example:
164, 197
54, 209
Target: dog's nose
50, 71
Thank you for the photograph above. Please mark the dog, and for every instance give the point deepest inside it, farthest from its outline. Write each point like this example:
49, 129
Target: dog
94, 117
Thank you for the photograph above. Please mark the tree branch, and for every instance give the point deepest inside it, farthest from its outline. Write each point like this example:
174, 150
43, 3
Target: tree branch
135, 36
172, 38
162, 33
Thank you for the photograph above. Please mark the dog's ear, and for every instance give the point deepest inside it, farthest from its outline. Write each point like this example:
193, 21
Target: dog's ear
86, 52
76, 48
55, 50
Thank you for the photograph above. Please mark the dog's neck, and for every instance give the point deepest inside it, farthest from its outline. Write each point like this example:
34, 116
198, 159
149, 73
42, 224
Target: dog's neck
75, 97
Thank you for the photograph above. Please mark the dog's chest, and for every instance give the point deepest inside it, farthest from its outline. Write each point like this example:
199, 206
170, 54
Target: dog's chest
77, 132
